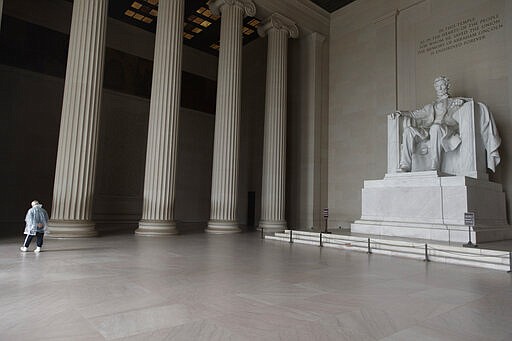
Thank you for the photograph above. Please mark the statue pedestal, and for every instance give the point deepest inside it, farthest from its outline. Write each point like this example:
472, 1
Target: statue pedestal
431, 206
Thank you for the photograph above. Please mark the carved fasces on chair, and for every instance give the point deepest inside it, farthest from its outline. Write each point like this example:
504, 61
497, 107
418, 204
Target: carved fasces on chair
478, 147
469, 161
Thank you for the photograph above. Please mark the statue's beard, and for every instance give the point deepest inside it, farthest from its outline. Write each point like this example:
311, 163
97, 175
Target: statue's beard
442, 94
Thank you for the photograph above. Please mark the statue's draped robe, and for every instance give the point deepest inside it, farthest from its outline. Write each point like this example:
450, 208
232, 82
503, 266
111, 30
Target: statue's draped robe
490, 137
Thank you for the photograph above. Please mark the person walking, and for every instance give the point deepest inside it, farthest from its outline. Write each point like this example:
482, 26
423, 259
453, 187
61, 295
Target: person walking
36, 224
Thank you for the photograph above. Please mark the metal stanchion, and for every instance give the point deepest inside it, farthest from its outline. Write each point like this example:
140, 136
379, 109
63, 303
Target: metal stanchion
325, 213
369, 249
262, 236
321, 245
426, 253
291, 236
469, 243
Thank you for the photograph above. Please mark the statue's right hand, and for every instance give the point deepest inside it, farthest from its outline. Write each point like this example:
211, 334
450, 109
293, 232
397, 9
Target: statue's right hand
396, 114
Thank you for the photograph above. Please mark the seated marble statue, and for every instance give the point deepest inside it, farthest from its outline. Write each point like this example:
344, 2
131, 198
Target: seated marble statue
436, 128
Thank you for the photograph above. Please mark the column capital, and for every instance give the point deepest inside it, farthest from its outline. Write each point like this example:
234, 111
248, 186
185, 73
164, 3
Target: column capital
317, 37
247, 6
278, 22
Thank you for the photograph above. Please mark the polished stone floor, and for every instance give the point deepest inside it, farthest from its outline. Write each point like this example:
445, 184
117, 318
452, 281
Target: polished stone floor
239, 287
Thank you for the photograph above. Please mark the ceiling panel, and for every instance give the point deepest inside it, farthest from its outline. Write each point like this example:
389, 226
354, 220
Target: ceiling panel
332, 5
201, 30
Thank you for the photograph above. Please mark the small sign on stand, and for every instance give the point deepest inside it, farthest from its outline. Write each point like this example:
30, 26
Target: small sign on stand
325, 213
469, 221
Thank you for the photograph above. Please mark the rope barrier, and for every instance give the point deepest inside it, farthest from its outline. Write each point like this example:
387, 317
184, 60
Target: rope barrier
368, 245
346, 244
420, 246
470, 255
338, 242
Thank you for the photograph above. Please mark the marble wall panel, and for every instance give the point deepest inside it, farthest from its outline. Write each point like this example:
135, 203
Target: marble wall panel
368, 78
306, 178
28, 140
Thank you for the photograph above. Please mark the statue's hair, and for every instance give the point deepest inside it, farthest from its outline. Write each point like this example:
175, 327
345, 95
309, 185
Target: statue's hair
443, 79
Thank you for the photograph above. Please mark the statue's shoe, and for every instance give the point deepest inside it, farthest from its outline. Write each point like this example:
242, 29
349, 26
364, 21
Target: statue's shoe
434, 166
404, 169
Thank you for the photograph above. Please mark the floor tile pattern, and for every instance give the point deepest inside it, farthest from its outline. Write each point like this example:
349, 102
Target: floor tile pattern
239, 287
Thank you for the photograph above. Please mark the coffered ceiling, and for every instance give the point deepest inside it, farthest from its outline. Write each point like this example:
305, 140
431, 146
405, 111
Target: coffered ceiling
201, 26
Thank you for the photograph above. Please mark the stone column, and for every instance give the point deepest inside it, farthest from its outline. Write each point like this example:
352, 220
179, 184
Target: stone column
76, 155
279, 29
160, 175
224, 196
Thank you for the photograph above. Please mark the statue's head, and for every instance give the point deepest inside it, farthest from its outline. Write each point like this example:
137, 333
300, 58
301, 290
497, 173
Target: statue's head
442, 85
34, 203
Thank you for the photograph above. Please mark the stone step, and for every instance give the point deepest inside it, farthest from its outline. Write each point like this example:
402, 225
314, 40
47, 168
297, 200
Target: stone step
476, 257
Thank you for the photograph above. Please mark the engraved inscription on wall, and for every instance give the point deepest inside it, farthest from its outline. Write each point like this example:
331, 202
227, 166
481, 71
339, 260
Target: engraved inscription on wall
459, 34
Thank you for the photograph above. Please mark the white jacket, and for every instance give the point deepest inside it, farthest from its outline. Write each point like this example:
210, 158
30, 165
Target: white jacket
36, 220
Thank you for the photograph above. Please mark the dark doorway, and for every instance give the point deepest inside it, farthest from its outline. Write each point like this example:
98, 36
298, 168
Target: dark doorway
251, 205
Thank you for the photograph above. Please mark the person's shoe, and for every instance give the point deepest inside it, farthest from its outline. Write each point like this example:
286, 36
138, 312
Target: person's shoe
37, 250
23, 249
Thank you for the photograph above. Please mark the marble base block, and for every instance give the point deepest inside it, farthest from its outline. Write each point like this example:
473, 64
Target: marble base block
272, 226
430, 205
222, 226
156, 228
71, 229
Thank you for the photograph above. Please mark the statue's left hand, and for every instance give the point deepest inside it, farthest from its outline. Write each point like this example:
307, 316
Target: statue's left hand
458, 102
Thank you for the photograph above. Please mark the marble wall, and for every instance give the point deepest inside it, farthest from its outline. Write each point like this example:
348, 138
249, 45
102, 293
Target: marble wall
254, 66
31, 105
307, 131
384, 55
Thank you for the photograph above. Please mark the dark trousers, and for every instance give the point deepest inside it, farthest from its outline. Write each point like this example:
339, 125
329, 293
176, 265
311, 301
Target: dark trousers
39, 239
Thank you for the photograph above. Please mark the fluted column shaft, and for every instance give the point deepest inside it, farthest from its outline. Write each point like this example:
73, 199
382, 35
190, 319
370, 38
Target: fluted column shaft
278, 29
76, 156
160, 175
224, 195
